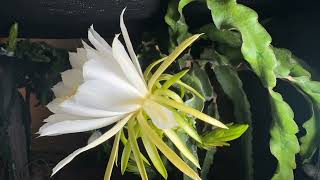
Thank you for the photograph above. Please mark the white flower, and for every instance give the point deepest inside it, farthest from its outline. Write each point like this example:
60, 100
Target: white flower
107, 86
95, 135
104, 86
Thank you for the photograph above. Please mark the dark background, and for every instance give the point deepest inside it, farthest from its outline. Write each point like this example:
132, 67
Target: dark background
292, 24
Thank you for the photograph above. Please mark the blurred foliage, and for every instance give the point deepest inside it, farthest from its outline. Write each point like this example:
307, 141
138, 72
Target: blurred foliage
38, 65
42, 67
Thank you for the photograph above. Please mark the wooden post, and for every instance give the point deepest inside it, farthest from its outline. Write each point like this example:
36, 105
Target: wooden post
13, 117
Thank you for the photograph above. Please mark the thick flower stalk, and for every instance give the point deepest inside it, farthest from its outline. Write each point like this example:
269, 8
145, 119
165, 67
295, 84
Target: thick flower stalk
106, 86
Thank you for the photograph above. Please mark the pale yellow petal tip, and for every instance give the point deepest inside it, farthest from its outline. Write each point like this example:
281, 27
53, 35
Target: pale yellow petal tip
196, 177
196, 36
123, 10
198, 165
53, 173
115, 39
39, 135
221, 125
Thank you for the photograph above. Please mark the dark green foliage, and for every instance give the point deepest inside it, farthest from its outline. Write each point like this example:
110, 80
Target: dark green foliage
41, 66
35, 66
236, 41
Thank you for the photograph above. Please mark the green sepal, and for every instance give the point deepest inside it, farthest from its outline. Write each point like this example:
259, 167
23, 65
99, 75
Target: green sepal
220, 137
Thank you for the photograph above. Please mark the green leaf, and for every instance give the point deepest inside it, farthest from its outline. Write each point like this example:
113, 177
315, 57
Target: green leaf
258, 53
284, 144
199, 80
286, 63
256, 41
174, 18
12, 39
232, 86
207, 163
310, 142
230, 38
212, 110
290, 65
219, 137
210, 55
203, 82
290, 68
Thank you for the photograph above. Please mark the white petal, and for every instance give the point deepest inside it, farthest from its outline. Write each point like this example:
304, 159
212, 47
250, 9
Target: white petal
113, 95
72, 78
60, 90
64, 124
115, 129
54, 106
129, 45
69, 106
86, 46
109, 64
126, 65
78, 59
99, 43
61, 117
97, 70
162, 117
95, 135
72, 107
98, 40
